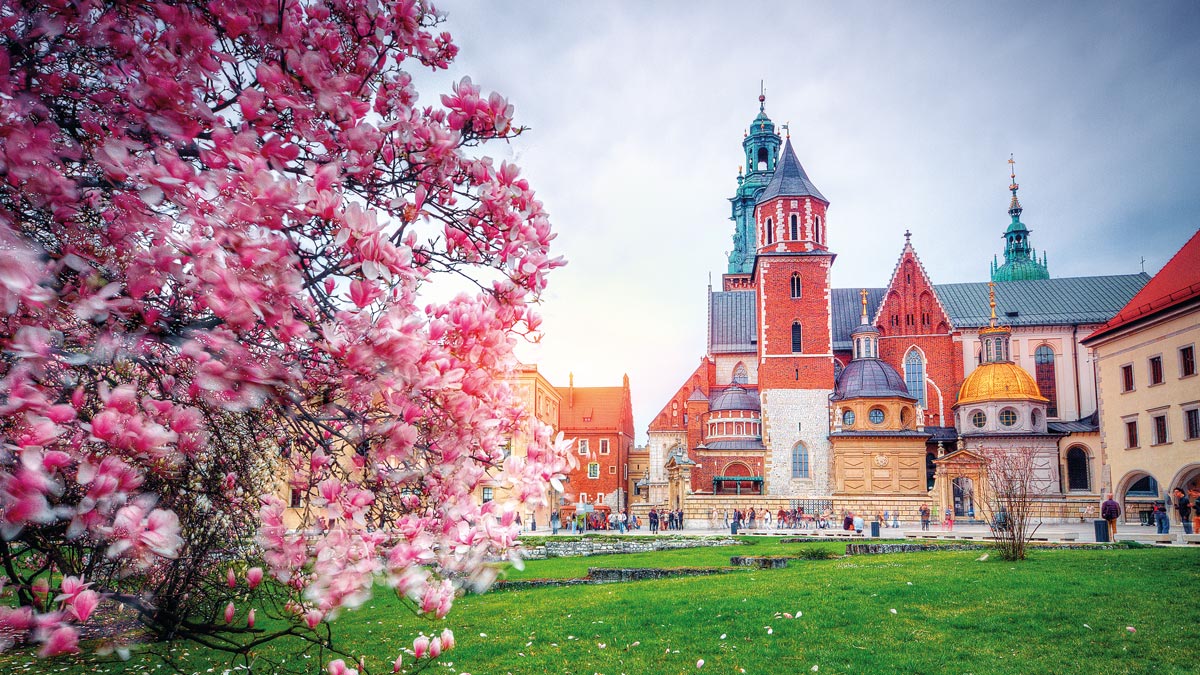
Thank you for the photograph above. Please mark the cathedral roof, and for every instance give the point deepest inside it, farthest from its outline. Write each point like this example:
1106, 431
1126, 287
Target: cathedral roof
734, 398
732, 326
1089, 424
1040, 302
870, 378
1043, 302
744, 444
789, 179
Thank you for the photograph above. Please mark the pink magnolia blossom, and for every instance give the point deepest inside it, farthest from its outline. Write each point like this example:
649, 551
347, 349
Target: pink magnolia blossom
238, 209
420, 646
83, 604
62, 640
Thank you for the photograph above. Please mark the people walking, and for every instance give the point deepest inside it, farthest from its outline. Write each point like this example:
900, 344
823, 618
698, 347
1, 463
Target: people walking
1161, 520
1183, 506
653, 521
1194, 496
1110, 510
925, 517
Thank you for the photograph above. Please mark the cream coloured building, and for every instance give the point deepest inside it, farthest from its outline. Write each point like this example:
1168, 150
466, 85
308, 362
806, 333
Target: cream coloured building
1149, 389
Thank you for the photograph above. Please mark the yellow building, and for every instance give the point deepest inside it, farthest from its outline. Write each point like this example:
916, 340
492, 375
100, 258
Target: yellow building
542, 401
877, 437
1149, 390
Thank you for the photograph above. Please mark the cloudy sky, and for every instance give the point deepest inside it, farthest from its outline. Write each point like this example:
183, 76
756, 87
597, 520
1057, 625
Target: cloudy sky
903, 114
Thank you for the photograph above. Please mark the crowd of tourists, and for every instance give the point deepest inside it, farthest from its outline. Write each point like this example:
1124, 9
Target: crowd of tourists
665, 520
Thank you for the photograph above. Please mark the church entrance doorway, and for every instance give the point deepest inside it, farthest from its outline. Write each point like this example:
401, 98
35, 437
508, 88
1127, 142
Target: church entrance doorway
964, 497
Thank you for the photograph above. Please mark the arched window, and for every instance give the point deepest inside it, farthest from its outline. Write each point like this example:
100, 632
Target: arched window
914, 375
1043, 364
740, 376
1078, 475
770, 232
817, 229
797, 285
1146, 486
795, 228
797, 338
762, 159
799, 461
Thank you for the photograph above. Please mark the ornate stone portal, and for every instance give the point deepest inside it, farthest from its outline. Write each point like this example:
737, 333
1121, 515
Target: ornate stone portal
679, 478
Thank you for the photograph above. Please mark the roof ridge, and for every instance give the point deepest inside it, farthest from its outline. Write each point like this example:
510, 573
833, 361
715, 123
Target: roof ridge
790, 170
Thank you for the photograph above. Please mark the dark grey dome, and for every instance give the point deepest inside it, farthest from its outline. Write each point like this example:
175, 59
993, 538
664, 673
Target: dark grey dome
734, 398
870, 378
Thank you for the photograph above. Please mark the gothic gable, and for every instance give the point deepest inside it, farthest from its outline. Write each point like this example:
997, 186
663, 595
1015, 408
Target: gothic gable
910, 306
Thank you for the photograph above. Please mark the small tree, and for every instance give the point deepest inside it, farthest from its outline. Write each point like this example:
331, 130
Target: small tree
1015, 477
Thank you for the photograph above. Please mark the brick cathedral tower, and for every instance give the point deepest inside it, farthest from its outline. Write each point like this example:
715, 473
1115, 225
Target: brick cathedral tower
791, 275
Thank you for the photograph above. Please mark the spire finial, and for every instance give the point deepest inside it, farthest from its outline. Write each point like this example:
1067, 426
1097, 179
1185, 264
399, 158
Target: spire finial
992, 302
907, 237
863, 293
762, 96
1014, 207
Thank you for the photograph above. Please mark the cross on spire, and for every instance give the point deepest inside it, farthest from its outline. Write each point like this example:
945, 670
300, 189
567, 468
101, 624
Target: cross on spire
863, 293
907, 237
992, 302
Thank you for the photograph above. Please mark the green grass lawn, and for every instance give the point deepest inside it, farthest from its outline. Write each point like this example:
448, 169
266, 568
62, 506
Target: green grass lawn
1058, 612
713, 556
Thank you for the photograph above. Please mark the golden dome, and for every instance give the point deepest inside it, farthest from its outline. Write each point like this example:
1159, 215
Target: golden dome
1000, 381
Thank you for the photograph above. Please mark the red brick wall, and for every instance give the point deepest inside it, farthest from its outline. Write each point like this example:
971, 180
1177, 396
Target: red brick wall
911, 316
779, 212
941, 365
737, 282
781, 369
609, 481
713, 465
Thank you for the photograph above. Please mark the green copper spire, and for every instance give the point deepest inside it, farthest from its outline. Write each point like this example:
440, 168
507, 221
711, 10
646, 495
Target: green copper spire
1020, 260
761, 145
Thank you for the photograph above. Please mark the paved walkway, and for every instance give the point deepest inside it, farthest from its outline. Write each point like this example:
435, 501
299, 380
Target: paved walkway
1054, 532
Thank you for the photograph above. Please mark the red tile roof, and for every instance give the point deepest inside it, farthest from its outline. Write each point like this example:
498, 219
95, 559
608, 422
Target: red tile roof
1176, 283
607, 408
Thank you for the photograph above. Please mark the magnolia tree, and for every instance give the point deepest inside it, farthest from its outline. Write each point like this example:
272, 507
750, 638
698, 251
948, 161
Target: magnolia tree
219, 225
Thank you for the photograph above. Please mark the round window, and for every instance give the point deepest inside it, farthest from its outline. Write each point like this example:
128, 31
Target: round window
1008, 417
848, 418
979, 418
876, 416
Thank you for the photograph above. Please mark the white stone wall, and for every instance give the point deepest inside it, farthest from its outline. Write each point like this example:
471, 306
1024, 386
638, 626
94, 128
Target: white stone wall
659, 444
725, 364
789, 416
